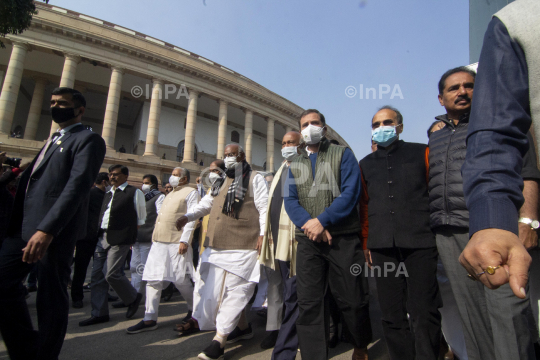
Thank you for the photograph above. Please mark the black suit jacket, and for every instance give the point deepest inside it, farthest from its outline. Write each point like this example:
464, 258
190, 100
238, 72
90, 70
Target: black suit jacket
57, 198
94, 210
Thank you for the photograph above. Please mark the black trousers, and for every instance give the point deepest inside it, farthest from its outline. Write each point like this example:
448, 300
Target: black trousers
321, 268
84, 252
52, 302
407, 283
286, 346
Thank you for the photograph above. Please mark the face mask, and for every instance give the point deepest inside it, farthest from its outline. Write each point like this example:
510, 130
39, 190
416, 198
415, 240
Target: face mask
174, 181
384, 135
230, 162
213, 177
61, 115
146, 188
312, 134
289, 152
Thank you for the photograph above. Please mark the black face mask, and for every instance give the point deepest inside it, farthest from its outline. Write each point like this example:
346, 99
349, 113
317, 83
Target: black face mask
61, 115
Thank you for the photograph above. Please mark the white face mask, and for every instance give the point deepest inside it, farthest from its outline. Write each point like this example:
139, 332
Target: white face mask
174, 181
313, 134
230, 162
289, 152
213, 177
146, 188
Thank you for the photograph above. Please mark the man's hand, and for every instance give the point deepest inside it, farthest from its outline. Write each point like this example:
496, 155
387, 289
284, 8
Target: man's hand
181, 222
494, 247
313, 230
259, 244
36, 247
183, 248
528, 236
326, 237
367, 255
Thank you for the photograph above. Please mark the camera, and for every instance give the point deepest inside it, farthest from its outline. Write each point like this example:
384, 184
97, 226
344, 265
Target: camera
13, 162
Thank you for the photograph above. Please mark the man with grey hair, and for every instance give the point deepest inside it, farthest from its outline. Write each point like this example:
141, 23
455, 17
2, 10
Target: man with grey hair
228, 268
170, 259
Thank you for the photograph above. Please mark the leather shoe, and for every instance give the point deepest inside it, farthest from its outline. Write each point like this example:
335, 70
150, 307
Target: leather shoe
112, 298
94, 320
360, 354
134, 306
77, 304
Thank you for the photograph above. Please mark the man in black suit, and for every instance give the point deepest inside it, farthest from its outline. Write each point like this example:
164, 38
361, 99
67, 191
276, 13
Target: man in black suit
49, 216
85, 247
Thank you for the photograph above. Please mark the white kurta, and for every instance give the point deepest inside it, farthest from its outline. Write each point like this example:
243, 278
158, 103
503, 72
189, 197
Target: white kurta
164, 263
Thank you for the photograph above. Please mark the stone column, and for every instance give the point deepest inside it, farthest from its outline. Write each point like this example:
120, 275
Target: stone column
248, 135
35, 109
70, 69
152, 132
270, 145
12, 82
113, 105
2, 73
191, 121
222, 128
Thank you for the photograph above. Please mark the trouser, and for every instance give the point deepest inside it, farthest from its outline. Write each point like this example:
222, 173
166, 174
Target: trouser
84, 251
153, 295
262, 291
138, 259
321, 267
52, 301
534, 283
407, 283
221, 298
32, 276
274, 295
496, 324
286, 346
450, 319
105, 272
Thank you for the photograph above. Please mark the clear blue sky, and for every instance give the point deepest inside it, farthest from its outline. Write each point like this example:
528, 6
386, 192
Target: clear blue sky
310, 51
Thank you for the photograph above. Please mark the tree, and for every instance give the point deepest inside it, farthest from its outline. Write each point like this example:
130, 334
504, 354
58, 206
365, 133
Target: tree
15, 16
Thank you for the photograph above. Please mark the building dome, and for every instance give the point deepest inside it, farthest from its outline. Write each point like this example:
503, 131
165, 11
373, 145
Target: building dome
155, 104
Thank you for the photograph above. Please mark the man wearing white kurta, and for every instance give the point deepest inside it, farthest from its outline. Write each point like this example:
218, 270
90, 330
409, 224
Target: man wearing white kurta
170, 258
228, 268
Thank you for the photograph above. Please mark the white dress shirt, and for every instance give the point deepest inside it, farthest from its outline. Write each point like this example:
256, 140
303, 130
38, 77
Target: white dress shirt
64, 130
191, 201
138, 200
159, 202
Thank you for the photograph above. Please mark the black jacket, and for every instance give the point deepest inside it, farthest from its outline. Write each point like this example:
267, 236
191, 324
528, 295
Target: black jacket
57, 198
447, 150
94, 210
394, 202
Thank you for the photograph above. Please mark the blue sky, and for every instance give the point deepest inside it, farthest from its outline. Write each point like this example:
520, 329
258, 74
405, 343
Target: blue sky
310, 51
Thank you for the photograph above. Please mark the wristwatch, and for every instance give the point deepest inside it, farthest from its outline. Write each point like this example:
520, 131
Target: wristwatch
535, 224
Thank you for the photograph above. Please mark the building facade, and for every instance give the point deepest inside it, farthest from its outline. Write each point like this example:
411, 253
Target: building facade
161, 104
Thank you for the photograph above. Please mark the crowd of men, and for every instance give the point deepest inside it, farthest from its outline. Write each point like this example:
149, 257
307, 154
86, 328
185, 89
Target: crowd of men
446, 228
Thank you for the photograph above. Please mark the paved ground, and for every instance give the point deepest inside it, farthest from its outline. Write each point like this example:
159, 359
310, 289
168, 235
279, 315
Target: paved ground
110, 341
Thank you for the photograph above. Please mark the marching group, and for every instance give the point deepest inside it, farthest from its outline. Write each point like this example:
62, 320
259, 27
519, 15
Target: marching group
405, 211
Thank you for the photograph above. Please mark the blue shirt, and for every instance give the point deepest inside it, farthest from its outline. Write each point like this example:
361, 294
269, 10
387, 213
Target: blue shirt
342, 206
496, 143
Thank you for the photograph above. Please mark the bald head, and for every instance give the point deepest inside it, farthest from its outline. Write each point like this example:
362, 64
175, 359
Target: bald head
236, 151
292, 138
217, 164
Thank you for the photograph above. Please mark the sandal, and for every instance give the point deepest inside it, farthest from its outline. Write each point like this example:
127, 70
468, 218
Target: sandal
190, 327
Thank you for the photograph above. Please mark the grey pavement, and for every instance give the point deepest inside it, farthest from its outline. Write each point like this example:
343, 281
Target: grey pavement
110, 340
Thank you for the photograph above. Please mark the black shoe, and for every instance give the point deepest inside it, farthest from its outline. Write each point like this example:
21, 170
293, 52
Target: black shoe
86, 287
270, 340
167, 294
77, 304
113, 298
212, 352
140, 327
333, 340
94, 320
187, 317
119, 305
31, 288
134, 306
238, 334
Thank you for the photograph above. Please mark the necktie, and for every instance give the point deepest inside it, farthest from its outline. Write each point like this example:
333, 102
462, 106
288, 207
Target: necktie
44, 150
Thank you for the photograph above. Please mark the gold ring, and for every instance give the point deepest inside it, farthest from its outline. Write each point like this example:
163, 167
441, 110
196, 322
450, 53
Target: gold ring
491, 269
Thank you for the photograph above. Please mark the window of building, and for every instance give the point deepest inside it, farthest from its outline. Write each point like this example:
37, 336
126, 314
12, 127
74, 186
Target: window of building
235, 137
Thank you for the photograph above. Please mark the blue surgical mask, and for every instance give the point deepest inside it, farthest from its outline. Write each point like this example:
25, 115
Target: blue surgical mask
384, 135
